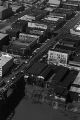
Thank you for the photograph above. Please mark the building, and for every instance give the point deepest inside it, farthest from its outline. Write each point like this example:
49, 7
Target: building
5, 12
25, 44
27, 18
58, 57
6, 62
54, 1
17, 8
19, 26
76, 29
4, 40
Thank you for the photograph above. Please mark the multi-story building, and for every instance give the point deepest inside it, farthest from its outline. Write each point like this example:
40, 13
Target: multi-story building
6, 62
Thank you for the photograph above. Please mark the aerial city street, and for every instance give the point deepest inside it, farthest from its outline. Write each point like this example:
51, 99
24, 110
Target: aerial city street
39, 59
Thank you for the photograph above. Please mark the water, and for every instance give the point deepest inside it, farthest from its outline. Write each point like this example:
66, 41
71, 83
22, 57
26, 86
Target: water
28, 111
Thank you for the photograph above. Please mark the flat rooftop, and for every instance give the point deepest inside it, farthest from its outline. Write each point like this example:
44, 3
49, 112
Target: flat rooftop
4, 58
2, 36
15, 7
